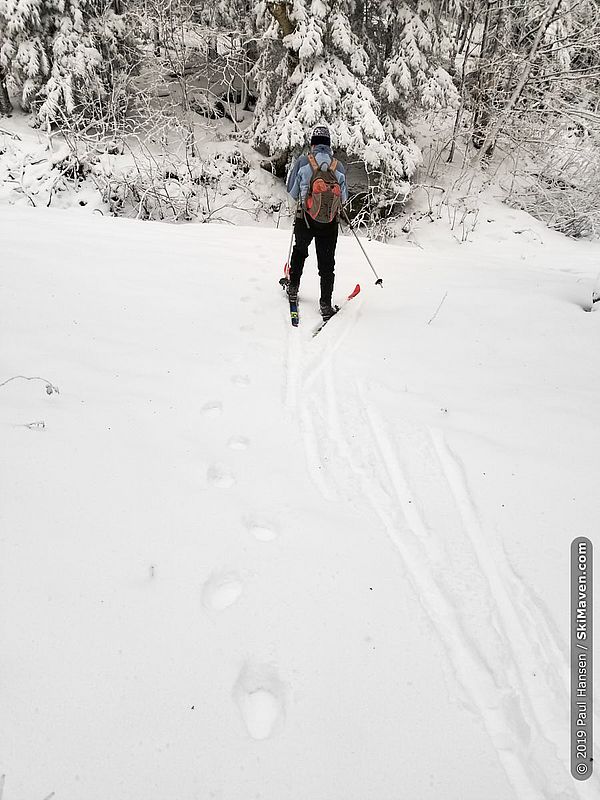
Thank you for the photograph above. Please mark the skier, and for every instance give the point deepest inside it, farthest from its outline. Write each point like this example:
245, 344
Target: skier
317, 182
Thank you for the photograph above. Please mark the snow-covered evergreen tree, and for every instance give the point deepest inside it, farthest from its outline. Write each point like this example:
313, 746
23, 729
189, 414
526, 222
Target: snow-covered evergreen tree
358, 66
22, 48
65, 56
416, 51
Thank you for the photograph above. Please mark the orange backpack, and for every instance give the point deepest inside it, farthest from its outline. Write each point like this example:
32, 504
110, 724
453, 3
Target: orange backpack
324, 199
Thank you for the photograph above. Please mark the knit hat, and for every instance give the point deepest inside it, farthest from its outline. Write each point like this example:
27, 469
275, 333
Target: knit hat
320, 135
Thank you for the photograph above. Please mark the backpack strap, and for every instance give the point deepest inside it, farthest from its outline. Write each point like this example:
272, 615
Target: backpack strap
333, 165
313, 163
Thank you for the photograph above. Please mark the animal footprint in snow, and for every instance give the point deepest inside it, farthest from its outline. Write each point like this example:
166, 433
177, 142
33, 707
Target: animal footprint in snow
238, 443
241, 380
213, 409
219, 476
262, 530
260, 697
221, 590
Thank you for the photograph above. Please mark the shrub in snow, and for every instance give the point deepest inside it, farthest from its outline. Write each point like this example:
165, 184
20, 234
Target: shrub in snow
221, 187
37, 174
66, 57
559, 178
133, 180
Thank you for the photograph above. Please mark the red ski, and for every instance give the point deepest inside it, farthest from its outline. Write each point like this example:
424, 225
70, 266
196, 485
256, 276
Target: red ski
337, 309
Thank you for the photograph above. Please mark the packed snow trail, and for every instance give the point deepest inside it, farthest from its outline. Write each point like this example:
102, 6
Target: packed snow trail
433, 524
271, 565
493, 634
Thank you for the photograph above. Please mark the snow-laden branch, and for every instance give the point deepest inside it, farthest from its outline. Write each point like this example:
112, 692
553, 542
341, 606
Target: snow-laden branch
496, 127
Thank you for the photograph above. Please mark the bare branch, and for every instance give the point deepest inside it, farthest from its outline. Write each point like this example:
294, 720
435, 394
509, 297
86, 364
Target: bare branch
494, 129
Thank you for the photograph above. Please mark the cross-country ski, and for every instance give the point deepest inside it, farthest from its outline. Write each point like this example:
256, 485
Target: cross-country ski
293, 302
338, 309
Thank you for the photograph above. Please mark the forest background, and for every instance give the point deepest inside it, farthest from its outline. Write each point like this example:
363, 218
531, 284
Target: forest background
193, 111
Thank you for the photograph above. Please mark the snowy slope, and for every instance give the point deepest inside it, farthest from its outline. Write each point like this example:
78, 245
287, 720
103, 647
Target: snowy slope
239, 562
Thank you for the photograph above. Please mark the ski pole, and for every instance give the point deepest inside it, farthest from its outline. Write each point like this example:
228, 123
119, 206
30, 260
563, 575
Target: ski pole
286, 269
379, 281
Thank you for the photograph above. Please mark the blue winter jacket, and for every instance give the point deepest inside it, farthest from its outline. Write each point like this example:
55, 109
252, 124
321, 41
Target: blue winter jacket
298, 182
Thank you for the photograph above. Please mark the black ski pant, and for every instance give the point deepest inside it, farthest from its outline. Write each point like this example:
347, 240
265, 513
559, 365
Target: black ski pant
325, 235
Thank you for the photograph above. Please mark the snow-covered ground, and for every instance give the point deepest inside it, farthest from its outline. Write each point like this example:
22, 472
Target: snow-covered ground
239, 562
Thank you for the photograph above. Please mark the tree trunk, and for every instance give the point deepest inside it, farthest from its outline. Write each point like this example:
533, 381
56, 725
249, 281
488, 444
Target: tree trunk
5, 104
463, 32
279, 11
495, 129
492, 29
461, 107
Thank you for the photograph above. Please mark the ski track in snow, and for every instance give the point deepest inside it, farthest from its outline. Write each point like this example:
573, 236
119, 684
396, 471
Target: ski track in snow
321, 349
501, 648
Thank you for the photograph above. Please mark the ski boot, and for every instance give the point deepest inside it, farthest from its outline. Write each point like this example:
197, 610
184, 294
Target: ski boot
327, 310
292, 291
